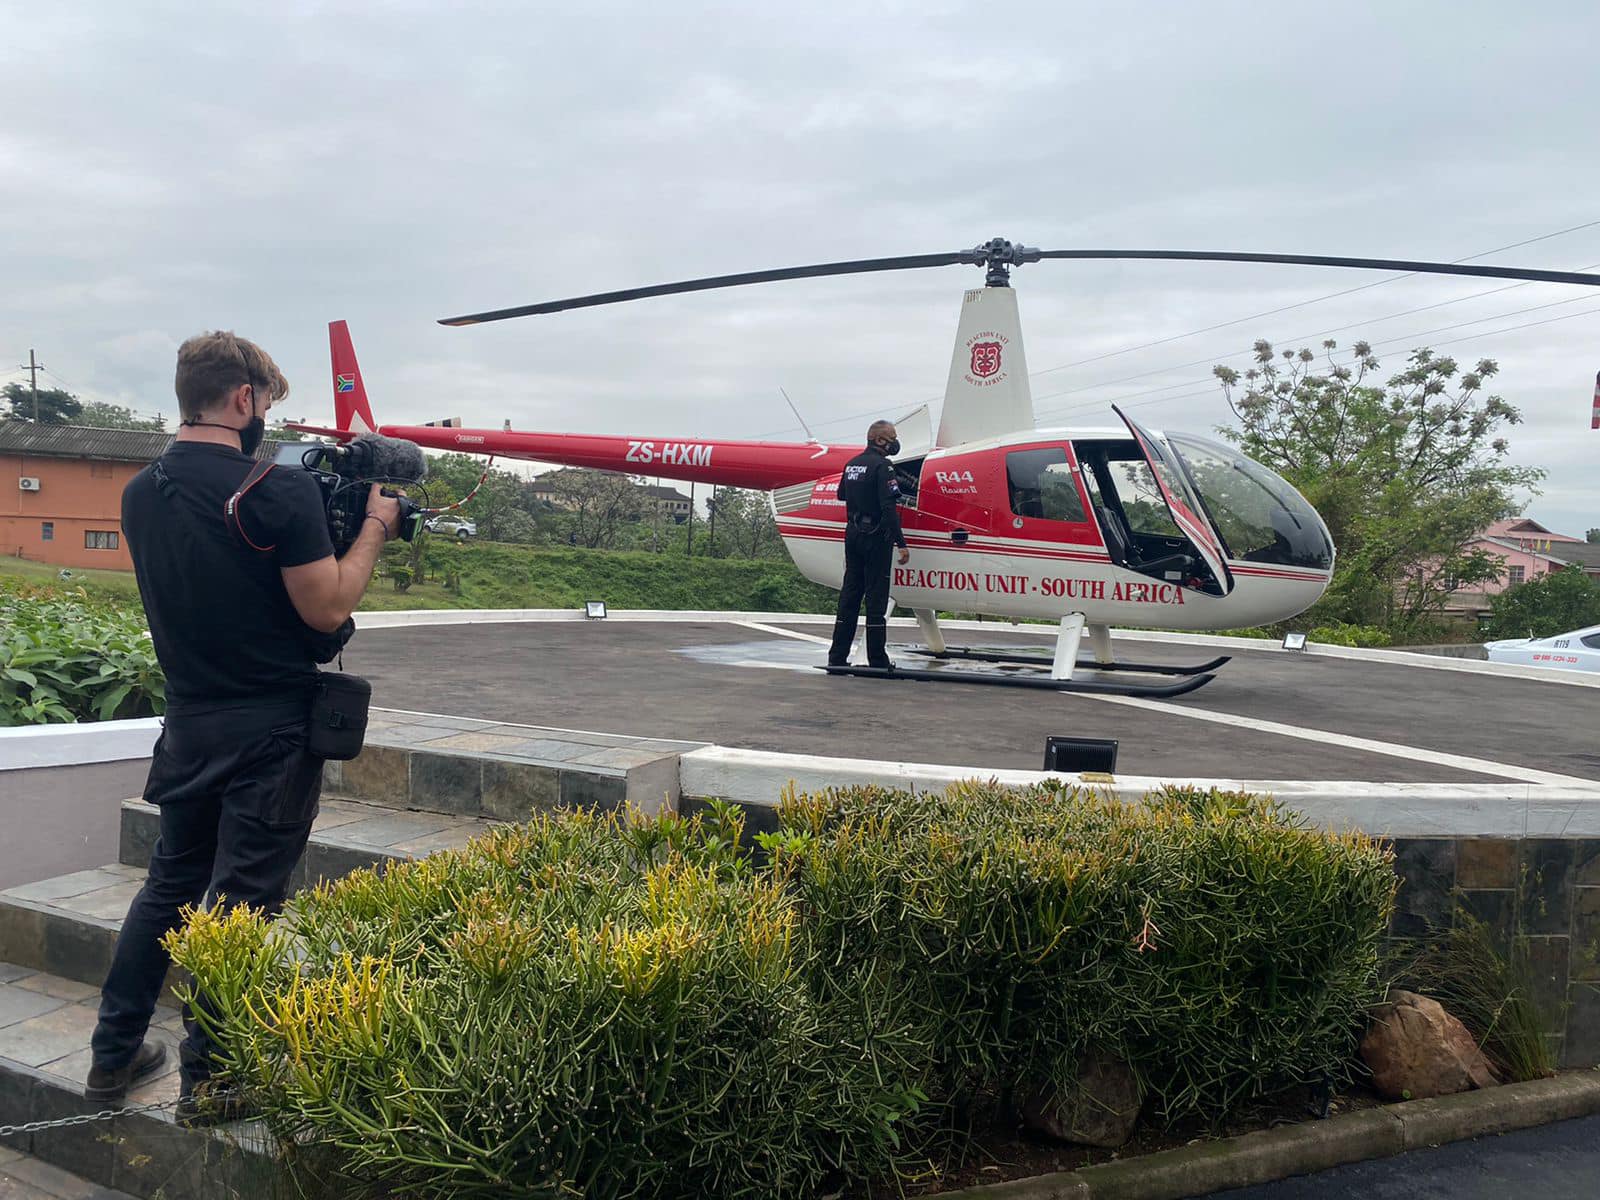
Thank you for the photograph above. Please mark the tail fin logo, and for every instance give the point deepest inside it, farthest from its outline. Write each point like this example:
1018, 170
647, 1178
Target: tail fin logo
344, 383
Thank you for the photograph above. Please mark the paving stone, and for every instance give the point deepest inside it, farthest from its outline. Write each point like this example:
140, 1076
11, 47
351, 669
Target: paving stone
548, 750
1427, 869
10, 972
47, 1180
447, 783
1586, 933
380, 775
1486, 863
331, 814
333, 772
69, 990
446, 839
1582, 1047
1546, 885
47, 1037
475, 741
110, 903
1497, 909
64, 886
1548, 978
141, 826
515, 791
585, 789
22, 1004
325, 862
621, 757
391, 829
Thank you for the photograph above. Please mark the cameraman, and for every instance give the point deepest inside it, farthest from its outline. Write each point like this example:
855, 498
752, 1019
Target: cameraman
236, 614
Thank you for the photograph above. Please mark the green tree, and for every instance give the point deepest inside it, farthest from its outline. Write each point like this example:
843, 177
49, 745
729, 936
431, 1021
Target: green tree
1558, 602
746, 527
101, 415
600, 504
1592, 536
56, 406
1405, 473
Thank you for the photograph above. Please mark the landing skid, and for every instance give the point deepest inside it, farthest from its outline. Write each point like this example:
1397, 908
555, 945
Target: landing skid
1156, 691
1036, 660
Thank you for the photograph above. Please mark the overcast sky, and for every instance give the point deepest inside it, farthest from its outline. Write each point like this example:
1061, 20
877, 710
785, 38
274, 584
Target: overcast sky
267, 168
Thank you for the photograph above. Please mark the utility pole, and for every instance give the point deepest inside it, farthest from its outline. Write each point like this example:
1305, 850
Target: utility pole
689, 552
712, 506
33, 368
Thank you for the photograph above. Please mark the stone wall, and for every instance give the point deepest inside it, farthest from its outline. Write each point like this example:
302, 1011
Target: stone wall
1544, 889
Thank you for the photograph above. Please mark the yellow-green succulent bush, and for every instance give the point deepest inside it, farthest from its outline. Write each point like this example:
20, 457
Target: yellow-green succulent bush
613, 1006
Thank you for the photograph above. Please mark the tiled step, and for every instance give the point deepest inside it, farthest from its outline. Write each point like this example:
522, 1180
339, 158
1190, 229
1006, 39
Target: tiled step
68, 925
45, 1023
490, 769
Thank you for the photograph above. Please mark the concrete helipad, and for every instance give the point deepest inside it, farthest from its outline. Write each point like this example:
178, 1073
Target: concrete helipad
751, 682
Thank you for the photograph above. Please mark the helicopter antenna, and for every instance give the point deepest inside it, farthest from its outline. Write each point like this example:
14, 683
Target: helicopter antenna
998, 256
810, 437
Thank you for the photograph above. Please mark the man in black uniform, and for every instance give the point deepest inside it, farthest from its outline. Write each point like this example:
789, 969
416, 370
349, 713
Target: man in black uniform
235, 615
870, 493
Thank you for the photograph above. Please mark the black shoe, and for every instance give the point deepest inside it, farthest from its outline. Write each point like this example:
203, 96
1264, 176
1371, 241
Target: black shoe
111, 1086
838, 662
208, 1102
881, 665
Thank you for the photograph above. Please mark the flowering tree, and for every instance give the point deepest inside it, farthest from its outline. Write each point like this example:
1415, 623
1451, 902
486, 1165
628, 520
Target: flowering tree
1406, 473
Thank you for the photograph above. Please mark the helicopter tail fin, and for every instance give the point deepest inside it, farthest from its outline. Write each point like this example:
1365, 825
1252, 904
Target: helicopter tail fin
1594, 420
352, 412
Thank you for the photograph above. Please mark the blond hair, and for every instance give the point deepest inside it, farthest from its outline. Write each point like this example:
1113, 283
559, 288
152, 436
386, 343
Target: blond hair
210, 365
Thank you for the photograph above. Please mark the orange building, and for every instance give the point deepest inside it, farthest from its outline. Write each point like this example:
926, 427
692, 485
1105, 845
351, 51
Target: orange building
61, 491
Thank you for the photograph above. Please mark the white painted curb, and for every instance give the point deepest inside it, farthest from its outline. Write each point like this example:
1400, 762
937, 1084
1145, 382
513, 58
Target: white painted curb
1383, 809
1402, 658
25, 747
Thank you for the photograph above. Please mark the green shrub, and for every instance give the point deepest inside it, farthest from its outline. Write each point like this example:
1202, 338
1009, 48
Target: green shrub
1351, 635
588, 1005
1209, 939
66, 657
571, 1007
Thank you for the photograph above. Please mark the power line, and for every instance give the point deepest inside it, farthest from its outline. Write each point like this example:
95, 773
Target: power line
1387, 342
1448, 342
1304, 303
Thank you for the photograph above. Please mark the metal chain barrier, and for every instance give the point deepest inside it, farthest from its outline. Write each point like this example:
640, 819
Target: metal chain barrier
85, 1118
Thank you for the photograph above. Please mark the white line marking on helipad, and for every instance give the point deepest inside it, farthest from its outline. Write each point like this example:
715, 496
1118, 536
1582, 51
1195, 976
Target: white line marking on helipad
788, 633
1460, 762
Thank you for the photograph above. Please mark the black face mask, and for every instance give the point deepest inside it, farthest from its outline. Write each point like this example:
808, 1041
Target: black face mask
889, 449
250, 436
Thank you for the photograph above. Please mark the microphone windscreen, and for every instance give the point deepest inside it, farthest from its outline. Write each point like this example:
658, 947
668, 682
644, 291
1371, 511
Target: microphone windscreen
393, 458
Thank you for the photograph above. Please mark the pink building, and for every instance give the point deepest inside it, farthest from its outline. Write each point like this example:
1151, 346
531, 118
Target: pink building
1527, 549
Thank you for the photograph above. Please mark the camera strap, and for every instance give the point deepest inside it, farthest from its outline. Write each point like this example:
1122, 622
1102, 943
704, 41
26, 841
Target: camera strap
230, 510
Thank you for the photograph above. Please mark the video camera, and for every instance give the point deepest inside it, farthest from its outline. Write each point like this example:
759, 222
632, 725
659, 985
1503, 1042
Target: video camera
345, 473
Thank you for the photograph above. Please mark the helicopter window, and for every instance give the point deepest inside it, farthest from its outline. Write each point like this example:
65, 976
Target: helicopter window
1142, 501
1041, 484
908, 473
1260, 516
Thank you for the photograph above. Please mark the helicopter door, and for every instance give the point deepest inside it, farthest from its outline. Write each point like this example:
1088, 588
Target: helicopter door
1187, 512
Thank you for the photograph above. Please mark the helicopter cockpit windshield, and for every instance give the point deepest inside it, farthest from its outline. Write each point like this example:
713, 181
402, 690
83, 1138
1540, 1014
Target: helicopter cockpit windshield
1258, 515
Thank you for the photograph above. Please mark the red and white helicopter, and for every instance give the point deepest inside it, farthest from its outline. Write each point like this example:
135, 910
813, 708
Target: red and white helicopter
1085, 526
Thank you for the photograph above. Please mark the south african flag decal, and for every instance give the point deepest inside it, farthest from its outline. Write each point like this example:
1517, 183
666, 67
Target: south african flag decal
344, 383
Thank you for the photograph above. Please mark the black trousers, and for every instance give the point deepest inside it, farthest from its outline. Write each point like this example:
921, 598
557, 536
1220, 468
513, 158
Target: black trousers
867, 560
238, 791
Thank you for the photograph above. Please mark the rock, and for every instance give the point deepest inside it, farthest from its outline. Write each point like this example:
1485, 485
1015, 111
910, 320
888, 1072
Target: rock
1415, 1049
1100, 1111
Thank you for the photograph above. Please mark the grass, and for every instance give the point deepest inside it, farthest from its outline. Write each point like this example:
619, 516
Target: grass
110, 584
499, 575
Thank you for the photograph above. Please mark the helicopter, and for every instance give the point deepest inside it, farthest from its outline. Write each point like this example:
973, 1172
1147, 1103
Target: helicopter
1083, 527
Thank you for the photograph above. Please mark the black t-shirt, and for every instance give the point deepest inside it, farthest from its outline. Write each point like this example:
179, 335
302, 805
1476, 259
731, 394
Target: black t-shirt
222, 622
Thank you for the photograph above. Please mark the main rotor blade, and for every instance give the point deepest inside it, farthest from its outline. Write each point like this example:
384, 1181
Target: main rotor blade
859, 266
1322, 260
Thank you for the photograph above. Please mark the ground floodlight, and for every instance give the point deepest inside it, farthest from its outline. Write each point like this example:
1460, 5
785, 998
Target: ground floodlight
1076, 755
595, 609
1294, 641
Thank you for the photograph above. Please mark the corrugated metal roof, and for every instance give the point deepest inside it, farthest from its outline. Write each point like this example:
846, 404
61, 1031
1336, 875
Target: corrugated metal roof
81, 441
